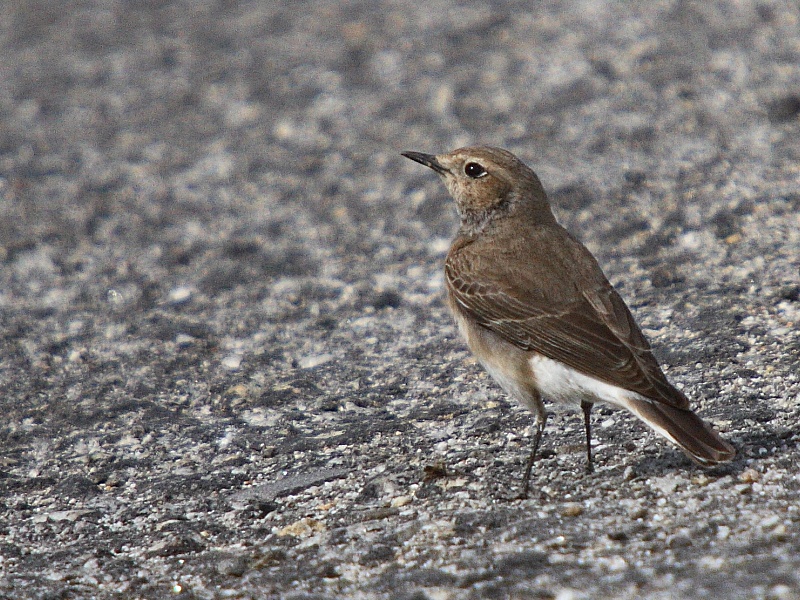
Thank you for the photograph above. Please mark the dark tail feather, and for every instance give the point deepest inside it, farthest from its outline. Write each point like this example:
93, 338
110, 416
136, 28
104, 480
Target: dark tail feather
691, 434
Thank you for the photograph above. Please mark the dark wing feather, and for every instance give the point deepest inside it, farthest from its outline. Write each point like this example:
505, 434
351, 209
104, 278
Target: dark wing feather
545, 309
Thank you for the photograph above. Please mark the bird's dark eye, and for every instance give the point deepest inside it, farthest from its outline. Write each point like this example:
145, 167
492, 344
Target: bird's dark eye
474, 170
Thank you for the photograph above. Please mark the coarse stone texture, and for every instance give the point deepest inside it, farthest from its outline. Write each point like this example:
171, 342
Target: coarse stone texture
226, 367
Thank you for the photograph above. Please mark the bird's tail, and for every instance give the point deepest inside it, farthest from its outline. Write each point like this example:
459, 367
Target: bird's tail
689, 432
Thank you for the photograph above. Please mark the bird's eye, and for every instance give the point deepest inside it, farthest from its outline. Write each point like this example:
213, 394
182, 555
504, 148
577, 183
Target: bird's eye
474, 170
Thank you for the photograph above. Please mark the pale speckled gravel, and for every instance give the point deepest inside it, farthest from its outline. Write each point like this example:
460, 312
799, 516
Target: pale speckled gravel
225, 363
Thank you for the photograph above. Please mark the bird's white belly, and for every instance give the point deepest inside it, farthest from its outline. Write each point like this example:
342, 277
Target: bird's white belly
564, 385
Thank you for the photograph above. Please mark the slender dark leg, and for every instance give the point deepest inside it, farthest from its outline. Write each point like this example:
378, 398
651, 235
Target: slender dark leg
587, 425
537, 437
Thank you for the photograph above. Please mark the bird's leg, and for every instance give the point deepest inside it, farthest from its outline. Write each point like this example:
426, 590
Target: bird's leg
587, 424
539, 422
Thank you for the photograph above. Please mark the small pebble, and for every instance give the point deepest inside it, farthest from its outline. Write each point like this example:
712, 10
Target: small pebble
314, 360
770, 521
179, 295
779, 533
184, 340
680, 540
639, 512
302, 528
749, 476
780, 591
232, 567
401, 501
712, 563
232, 361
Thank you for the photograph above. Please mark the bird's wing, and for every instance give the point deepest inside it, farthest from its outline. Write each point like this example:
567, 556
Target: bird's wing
588, 328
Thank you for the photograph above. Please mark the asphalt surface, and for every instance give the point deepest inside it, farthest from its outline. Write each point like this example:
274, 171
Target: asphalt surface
226, 367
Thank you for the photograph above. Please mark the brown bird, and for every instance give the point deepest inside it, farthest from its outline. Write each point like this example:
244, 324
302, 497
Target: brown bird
540, 315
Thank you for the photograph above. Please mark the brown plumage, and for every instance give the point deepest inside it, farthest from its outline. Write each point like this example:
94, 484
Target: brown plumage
539, 313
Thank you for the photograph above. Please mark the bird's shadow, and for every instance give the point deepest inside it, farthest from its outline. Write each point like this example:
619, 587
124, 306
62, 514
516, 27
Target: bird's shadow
746, 445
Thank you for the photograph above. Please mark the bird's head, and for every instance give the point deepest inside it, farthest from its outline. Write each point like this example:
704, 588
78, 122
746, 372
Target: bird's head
487, 183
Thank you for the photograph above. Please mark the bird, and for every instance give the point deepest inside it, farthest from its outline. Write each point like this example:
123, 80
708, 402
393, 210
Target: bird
539, 314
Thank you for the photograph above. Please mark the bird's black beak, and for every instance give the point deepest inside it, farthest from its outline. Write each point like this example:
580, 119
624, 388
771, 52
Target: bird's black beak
429, 160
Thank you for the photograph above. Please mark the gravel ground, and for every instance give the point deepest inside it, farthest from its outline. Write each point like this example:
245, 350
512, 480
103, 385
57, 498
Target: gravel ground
227, 370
